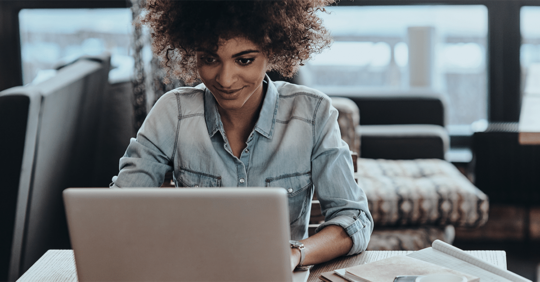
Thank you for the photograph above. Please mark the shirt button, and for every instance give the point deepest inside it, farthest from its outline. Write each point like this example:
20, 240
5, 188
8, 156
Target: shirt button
242, 180
246, 150
289, 190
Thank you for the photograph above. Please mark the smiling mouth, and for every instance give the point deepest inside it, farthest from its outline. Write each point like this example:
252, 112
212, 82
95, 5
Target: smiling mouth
229, 92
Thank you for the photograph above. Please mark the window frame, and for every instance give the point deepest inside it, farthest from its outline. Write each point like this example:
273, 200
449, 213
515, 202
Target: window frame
10, 60
503, 48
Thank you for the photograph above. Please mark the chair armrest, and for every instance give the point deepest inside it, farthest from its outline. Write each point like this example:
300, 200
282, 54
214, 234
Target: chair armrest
404, 141
348, 121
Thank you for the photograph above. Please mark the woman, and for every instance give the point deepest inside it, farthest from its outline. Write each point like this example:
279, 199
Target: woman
240, 129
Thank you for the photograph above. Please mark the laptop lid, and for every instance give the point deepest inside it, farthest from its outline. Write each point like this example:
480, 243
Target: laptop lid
210, 234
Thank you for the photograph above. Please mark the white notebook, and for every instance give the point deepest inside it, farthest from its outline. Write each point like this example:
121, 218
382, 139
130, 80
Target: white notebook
446, 255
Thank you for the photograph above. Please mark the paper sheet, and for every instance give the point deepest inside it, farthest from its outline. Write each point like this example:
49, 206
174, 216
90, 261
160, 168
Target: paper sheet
449, 256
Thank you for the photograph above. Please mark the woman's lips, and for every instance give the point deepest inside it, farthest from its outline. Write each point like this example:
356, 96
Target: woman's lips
228, 92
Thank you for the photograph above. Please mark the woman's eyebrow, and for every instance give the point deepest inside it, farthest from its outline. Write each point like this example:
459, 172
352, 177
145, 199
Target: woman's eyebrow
205, 51
245, 52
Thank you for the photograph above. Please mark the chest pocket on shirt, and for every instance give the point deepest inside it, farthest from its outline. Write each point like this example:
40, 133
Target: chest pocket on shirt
189, 178
299, 190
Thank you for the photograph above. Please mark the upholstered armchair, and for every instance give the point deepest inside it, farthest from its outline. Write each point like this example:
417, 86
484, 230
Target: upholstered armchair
415, 200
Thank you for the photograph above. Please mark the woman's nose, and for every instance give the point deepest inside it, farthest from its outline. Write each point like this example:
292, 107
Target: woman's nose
226, 76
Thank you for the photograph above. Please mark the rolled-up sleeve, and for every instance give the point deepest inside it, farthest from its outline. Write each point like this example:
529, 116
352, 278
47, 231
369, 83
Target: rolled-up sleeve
358, 228
343, 202
148, 157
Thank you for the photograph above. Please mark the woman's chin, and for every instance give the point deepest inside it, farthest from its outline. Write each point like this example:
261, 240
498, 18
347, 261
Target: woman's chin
231, 105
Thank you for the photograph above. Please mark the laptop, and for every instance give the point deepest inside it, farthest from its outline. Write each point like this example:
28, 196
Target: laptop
201, 234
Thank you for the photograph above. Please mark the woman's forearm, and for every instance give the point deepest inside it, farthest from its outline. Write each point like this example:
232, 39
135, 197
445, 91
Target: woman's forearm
327, 244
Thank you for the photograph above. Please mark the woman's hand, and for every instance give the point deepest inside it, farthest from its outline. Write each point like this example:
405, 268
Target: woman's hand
295, 258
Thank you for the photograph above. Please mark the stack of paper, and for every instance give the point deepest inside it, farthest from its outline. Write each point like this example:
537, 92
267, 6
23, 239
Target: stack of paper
387, 269
440, 258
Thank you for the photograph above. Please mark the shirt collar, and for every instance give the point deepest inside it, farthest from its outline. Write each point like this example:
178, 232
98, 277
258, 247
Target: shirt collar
211, 113
267, 116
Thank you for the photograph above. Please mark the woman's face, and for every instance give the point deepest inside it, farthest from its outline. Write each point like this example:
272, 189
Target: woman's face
234, 74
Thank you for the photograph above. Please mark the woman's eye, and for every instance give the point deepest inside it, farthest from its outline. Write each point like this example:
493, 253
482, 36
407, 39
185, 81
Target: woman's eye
208, 60
245, 61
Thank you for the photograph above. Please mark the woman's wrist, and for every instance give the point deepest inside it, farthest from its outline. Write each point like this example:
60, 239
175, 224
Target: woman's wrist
295, 257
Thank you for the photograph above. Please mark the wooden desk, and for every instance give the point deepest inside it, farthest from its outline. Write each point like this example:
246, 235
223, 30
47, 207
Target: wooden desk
59, 265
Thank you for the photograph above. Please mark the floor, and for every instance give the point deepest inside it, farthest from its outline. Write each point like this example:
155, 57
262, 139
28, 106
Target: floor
522, 257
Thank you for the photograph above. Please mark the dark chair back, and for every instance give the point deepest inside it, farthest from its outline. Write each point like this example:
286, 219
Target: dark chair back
382, 107
57, 121
18, 130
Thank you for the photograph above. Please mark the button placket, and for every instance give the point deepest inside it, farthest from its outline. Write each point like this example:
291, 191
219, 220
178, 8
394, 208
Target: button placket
242, 174
244, 164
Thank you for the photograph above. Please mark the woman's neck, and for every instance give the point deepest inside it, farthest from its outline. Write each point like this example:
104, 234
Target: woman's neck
246, 117
238, 124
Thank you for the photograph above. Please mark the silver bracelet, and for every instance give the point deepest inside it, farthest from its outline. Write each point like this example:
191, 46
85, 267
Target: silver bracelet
301, 248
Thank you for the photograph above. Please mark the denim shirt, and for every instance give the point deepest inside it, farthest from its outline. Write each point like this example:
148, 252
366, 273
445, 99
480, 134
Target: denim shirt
296, 144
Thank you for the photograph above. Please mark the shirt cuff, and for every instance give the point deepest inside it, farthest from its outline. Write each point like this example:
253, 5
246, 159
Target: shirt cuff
113, 184
358, 228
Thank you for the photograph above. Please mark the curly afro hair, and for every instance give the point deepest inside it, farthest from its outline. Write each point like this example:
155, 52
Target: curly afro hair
287, 31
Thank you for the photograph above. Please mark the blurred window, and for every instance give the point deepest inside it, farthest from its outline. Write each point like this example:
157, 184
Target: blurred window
530, 49
50, 37
371, 51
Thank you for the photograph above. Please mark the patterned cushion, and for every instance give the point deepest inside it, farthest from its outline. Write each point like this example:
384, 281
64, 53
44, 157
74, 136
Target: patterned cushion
409, 239
420, 192
348, 120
